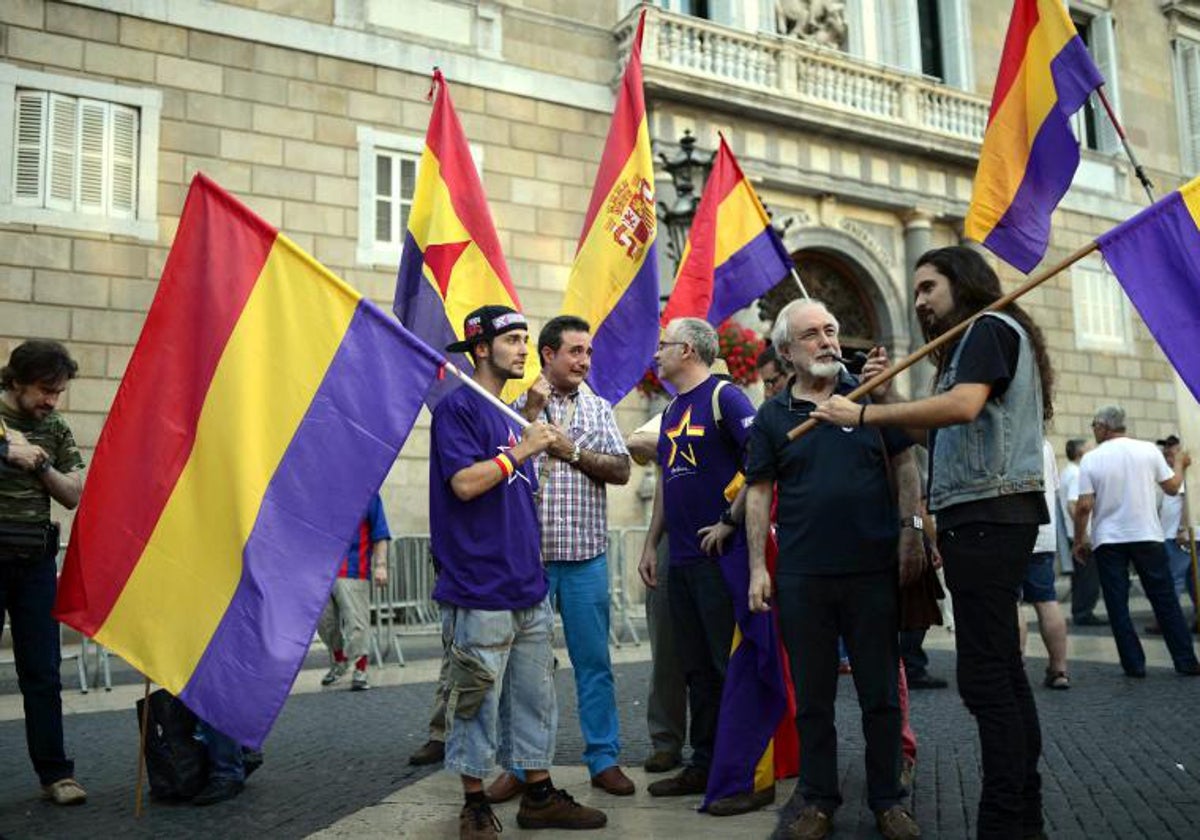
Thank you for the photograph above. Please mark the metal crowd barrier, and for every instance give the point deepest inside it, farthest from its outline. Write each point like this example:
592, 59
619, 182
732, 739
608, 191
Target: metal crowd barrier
623, 544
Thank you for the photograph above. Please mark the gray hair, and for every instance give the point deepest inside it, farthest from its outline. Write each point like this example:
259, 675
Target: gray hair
1110, 417
781, 331
698, 333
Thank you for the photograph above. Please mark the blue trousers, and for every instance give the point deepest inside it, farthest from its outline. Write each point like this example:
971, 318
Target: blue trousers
27, 595
580, 591
1149, 559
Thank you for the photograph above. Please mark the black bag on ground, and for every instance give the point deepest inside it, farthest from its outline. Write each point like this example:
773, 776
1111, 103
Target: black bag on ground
176, 763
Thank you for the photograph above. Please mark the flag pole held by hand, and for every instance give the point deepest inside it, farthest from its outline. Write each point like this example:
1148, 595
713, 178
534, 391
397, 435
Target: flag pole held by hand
950, 334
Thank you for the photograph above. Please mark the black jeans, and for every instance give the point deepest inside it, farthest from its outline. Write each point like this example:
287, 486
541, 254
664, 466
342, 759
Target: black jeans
702, 623
27, 595
985, 564
1085, 590
916, 661
864, 610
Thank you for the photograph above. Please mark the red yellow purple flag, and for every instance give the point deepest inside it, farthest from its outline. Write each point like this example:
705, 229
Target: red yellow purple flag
614, 279
262, 407
452, 262
1029, 153
733, 255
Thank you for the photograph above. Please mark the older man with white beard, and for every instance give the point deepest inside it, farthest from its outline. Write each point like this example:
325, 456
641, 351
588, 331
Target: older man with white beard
839, 523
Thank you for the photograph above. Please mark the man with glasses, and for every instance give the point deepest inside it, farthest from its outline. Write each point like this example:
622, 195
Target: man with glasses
770, 370
698, 457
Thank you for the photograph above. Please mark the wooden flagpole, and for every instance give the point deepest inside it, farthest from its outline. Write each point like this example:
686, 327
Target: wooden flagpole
487, 395
141, 766
1137, 166
951, 334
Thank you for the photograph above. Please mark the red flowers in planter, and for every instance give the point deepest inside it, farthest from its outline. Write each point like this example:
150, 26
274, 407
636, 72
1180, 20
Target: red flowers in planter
739, 347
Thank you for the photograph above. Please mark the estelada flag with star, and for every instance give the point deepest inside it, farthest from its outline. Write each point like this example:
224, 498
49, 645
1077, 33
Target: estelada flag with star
451, 263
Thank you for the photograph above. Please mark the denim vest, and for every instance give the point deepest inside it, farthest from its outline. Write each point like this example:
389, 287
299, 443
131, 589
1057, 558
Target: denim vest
1000, 451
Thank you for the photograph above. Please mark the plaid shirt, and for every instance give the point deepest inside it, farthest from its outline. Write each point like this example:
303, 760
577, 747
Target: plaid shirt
572, 505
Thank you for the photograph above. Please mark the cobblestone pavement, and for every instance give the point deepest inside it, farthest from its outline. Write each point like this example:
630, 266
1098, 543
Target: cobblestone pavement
1122, 759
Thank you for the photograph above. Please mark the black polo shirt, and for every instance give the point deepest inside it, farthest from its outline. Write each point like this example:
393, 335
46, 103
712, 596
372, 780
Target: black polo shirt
836, 514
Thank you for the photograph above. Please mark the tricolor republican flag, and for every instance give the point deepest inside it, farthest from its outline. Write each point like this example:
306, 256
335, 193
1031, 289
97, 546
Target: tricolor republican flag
614, 279
262, 408
733, 256
1029, 153
452, 263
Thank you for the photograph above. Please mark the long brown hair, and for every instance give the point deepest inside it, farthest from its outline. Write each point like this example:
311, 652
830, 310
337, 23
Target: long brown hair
974, 285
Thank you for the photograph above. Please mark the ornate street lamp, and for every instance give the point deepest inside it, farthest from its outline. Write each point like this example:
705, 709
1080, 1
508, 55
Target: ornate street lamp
688, 169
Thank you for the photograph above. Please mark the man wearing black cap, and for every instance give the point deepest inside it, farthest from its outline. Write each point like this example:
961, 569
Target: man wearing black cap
497, 622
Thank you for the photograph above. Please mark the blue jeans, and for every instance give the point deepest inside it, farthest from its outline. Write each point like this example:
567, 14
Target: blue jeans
580, 590
1149, 559
27, 595
224, 754
516, 721
1179, 559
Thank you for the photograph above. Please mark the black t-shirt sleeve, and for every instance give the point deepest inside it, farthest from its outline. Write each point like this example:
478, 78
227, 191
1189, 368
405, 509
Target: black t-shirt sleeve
989, 355
760, 454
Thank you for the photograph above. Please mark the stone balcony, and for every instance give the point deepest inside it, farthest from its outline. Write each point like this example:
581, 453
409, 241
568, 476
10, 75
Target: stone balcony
797, 84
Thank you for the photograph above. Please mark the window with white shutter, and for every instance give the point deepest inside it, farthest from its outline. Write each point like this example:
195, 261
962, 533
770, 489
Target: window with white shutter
1101, 308
1092, 126
387, 180
81, 152
1187, 98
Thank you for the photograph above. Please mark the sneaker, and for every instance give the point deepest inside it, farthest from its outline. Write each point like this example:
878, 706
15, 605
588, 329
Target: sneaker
478, 822
741, 803
65, 792
336, 671
897, 824
662, 761
359, 681
691, 781
218, 789
812, 824
558, 810
431, 752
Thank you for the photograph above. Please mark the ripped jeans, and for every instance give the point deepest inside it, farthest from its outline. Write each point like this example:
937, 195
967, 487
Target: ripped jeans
500, 704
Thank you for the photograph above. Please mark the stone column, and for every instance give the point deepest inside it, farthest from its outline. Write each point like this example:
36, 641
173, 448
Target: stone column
918, 237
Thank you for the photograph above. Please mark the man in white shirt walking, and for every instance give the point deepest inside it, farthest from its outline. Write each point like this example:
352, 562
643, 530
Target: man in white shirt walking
1117, 489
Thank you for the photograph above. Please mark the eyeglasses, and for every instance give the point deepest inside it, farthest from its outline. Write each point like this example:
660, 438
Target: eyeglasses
662, 345
771, 381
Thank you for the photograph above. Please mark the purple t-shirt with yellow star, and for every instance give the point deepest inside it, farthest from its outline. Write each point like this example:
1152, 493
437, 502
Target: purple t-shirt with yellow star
699, 457
488, 549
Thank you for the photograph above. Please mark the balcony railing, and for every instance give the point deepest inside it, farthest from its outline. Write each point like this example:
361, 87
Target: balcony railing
798, 72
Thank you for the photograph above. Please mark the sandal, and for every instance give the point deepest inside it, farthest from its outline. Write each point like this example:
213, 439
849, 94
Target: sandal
1057, 680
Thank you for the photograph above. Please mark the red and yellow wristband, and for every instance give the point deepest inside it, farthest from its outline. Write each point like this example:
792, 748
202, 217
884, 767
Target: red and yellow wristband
505, 464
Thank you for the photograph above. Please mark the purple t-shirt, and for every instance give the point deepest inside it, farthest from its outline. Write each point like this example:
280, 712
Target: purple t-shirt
488, 549
699, 458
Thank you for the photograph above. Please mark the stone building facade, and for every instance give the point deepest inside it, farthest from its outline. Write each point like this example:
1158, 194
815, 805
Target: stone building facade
859, 126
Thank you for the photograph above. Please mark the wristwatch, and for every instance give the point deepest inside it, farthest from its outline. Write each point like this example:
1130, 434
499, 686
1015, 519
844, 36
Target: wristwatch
575, 455
727, 518
915, 522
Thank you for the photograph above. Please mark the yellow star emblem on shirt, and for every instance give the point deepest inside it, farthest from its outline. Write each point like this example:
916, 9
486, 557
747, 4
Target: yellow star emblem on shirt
683, 429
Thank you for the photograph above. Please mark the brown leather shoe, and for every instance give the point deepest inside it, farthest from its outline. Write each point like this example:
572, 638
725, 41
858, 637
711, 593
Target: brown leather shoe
613, 780
691, 781
812, 824
741, 803
431, 752
477, 822
558, 810
897, 824
505, 787
662, 762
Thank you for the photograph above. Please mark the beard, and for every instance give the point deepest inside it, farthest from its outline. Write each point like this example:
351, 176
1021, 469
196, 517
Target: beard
824, 370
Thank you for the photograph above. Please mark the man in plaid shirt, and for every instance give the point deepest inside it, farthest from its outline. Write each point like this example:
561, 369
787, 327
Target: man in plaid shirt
588, 454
